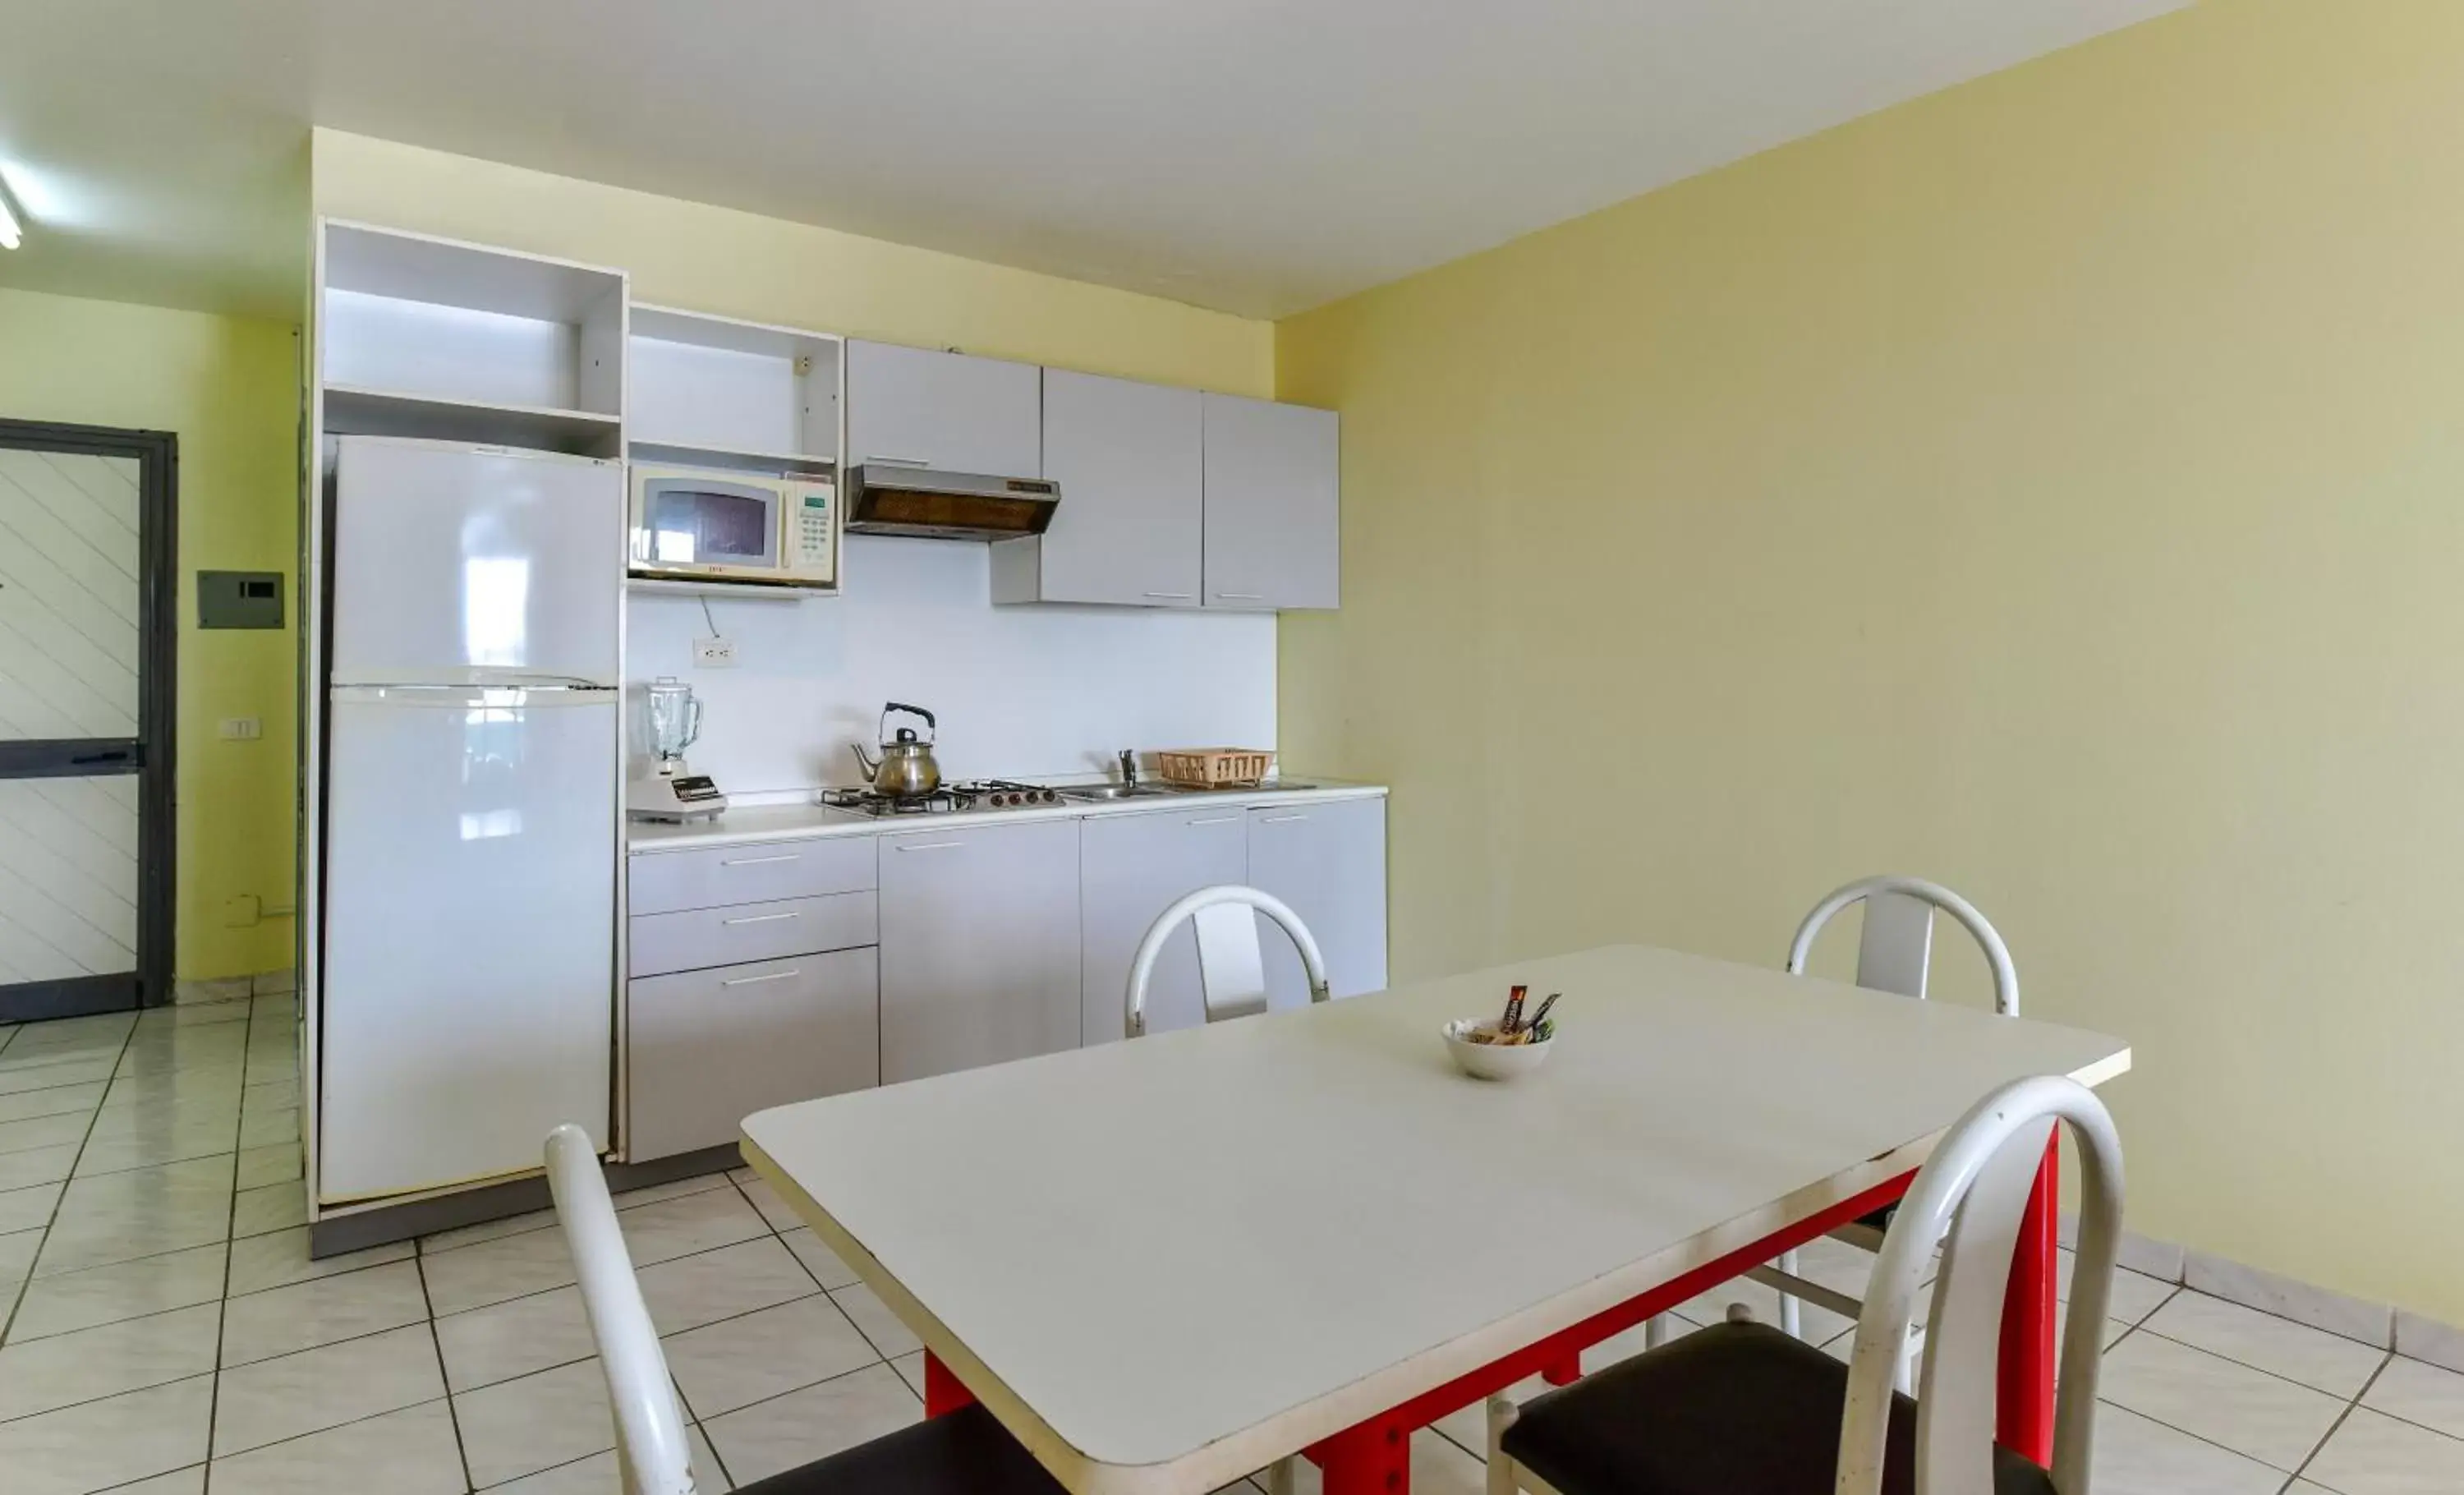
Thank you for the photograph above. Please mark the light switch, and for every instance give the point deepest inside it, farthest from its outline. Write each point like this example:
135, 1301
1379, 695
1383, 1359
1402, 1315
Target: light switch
241, 728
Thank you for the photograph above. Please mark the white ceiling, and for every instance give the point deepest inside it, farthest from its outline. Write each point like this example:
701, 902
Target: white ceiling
1259, 156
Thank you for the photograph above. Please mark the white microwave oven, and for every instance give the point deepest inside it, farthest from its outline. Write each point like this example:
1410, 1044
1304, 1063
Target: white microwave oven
696, 524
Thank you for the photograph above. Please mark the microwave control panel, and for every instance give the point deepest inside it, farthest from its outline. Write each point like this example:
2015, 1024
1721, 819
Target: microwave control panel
814, 533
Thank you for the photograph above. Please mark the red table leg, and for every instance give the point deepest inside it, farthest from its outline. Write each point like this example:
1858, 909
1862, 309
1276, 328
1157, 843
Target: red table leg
2025, 1401
943, 1392
1372, 1458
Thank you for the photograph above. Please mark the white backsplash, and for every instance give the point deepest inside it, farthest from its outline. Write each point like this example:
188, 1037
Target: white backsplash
1029, 692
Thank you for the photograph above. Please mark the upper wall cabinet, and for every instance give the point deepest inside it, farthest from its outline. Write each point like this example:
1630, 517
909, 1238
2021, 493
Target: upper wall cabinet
425, 337
1273, 505
1130, 462
946, 411
712, 391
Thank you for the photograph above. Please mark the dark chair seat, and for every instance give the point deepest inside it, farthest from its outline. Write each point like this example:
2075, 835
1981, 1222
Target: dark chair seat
966, 1452
1736, 1409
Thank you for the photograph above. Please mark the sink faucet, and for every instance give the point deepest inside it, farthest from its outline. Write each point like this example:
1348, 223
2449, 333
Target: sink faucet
1130, 767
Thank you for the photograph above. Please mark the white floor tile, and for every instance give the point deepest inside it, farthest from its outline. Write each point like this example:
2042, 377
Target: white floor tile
410, 1452
680, 1227
99, 1444
2372, 1454
2135, 1296
781, 1214
2424, 1393
61, 1130
124, 1290
2248, 1410
143, 1212
820, 1260
674, 1188
537, 1423
317, 1389
266, 1127
792, 1430
486, 1230
277, 1163
90, 1364
276, 1206
2135, 1456
910, 1370
52, 1101
279, 1258
2296, 1351
693, 1290
323, 1311
190, 1481
737, 1362
871, 1315
54, 1073
597, 1475
513, 1338
17, 1250
492, 1271
36, 1165
29, 1208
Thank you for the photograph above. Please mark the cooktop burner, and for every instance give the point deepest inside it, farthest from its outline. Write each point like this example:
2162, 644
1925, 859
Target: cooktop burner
967, 796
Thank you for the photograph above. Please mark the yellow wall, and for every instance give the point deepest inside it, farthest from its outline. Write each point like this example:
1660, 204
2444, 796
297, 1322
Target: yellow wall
230, 389
2054, 487
737, 263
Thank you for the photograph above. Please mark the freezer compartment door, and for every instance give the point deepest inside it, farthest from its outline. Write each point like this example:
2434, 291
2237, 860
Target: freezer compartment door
459, 563
469, 932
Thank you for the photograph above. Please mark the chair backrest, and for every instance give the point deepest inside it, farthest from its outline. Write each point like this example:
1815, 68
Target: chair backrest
1231, 968
653, 1457
1975, 1187
1896, 947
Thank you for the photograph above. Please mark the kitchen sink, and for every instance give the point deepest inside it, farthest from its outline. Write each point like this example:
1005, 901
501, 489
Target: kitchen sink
1098, 794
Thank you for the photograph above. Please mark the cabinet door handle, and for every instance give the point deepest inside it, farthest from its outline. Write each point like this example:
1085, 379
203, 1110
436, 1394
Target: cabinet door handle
1278, 820
1170, 597
764, 918
754, 980
897, 461
1242, 597
757, 861
1215, 820
928, 845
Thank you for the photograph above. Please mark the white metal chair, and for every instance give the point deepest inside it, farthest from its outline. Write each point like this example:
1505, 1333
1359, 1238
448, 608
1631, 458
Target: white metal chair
1741, 1406
1231, 967
1894, 953
1231, 984
966, 1452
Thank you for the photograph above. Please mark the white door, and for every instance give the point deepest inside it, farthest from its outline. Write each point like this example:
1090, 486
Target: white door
454, 565
1132, 867
72, 740
1273, 505
947, 410
978, 946
470, 931
1130, 462
1328, 862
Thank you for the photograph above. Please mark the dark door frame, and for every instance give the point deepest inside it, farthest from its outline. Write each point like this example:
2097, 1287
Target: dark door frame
157, 453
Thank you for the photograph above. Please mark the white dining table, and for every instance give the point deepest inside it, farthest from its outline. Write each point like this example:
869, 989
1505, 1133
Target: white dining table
1166, 1264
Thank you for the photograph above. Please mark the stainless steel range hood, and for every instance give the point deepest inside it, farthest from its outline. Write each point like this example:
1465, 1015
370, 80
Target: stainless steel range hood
927, 503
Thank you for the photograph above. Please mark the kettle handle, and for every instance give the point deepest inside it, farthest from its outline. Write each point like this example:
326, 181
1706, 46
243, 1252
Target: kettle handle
913, 711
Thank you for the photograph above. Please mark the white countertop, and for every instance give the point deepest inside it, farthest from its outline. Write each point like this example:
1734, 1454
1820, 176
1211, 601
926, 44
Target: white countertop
802, 821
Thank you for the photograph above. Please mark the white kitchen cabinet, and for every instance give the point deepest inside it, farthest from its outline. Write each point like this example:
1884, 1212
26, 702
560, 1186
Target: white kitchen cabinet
1130, 461
710, 1047
1328, 860
978, 946
1132, 867
946, 411
1273, 505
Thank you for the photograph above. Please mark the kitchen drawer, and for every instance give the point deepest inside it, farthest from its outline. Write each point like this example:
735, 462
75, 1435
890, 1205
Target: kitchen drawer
713, 877
703, 937
708, 1048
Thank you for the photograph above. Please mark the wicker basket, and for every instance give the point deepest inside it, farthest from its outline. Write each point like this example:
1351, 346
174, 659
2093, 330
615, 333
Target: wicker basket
1213, 768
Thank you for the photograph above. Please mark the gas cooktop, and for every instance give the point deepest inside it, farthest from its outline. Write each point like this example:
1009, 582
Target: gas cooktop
968, 796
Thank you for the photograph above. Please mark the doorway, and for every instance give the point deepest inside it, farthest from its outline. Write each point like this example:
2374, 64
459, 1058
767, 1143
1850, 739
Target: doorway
87, 600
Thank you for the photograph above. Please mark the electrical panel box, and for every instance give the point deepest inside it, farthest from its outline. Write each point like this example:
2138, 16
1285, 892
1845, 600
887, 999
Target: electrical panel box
239, 599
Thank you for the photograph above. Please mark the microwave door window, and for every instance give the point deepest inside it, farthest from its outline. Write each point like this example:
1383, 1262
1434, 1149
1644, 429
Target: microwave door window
709, 526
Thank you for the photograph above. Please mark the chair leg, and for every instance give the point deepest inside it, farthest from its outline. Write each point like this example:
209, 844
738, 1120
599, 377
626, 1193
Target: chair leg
1283, 1477
1911, 1359
1501, 1413
1790, 1317
1655, 1331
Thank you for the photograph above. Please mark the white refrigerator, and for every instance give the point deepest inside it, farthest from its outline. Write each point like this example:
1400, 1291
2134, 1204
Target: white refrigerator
471, 811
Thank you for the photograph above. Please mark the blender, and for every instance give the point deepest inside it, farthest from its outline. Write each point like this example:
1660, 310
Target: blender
674, 792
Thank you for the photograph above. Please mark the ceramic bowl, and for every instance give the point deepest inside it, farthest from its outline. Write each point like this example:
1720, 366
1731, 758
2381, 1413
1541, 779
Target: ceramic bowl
1492, 1061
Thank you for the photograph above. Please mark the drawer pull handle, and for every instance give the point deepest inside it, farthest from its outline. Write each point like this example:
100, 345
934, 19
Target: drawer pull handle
1278, 820
1216, 819
758, 861
929, 845
752, 981
1242, 597
764, 918
1171, 597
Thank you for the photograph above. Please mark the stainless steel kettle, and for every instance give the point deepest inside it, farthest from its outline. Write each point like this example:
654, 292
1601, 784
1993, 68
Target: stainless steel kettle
905, 769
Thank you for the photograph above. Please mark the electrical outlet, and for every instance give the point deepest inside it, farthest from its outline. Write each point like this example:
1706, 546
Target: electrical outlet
240, 729
715, 654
